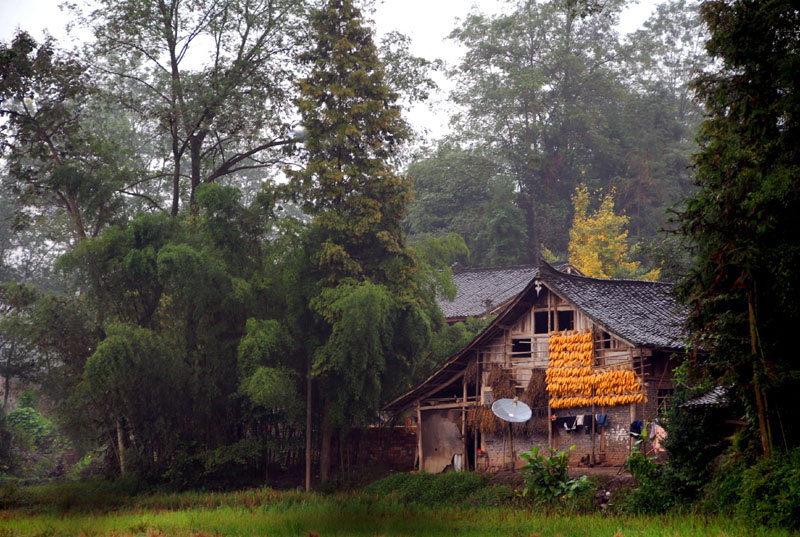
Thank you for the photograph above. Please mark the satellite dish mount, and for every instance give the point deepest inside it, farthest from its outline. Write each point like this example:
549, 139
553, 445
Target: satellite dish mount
511, 411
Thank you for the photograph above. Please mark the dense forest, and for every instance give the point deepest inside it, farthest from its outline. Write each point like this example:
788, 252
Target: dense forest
214, 270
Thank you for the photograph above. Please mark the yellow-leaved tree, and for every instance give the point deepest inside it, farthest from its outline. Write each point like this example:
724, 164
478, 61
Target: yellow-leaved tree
598, 240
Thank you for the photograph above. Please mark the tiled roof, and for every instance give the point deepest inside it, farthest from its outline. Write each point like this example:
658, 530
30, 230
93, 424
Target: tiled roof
715, 397
643, 313
486, 289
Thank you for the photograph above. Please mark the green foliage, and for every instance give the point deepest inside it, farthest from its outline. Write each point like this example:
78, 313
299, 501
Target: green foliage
694, 437
551, 96
546, 480
598, 244
274, 388
435, 256
651, 494
63, 156
31, 428
462, 192
429, 489
354, 359
448, 340
743, 294
770, 492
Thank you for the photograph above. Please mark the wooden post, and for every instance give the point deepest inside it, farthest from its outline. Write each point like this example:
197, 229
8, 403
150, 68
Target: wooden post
477, 402
549, 426
465, 458
121, 444
419, 434
603, 436
594, 460
511, 447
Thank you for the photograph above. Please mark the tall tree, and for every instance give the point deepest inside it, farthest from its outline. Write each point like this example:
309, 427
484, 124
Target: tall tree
741, 223
370, 319
64, 153
531, 83
598, 244
459, 191
215, 112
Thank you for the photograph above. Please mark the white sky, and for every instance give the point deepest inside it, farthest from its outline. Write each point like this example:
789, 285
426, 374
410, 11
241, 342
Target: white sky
426, 22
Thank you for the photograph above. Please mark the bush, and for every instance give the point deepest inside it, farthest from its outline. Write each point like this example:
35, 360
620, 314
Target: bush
694, 438
494, 496
548, 483
651, 494
430, 489
770, 492
724, 492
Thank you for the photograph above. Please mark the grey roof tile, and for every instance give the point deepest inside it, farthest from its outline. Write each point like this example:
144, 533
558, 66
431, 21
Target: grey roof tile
643, 313
482, 289
716, 397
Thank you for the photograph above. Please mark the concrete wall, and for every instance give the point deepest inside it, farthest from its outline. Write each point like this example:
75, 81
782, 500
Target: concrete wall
441, 438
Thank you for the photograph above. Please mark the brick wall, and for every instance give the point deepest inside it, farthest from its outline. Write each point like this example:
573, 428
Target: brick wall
617, 441
395, 448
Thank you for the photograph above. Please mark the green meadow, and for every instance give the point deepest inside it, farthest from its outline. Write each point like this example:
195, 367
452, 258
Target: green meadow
266, 512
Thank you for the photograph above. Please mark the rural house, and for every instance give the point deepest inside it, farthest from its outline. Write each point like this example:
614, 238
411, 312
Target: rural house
593, 358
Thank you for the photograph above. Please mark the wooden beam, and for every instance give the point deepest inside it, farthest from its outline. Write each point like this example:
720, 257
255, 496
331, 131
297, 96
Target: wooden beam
444, 384
444, 406
419, 435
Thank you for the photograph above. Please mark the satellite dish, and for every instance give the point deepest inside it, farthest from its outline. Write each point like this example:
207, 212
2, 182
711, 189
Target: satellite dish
512, 410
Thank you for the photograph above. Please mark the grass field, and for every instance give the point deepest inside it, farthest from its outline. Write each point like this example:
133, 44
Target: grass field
265, 512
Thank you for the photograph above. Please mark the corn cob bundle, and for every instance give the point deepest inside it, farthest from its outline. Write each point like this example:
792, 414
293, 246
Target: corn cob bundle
572, 382
569, 377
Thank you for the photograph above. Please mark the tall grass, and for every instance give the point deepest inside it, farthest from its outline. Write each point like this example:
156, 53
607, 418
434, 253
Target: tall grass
57, 511
326, 518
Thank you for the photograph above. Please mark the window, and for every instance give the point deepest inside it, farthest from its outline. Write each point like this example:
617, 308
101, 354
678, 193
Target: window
540, 325
521, 348
566, 320
605, 339
662, 398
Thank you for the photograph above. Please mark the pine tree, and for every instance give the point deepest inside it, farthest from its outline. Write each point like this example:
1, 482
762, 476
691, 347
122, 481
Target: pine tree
354, 131
370, 316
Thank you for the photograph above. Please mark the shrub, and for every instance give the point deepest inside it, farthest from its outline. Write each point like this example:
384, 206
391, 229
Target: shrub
724, 492
429, 489
770, 492
493, 496
651, 493
547, 481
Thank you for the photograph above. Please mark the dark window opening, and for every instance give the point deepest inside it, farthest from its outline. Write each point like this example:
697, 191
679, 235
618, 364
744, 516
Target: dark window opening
521, 348
540, 322
662, 398
605, 338
566, 320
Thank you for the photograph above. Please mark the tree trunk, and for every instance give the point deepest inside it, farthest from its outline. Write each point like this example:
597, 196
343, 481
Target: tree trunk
325, 451
308, 426
761, 403
121, 444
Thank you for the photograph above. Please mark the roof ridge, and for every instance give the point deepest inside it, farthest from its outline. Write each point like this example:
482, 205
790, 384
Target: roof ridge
605, 280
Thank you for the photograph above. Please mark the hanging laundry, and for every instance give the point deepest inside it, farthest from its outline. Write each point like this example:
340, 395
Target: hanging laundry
569, 423
636, 428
